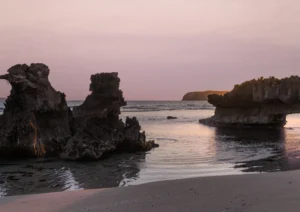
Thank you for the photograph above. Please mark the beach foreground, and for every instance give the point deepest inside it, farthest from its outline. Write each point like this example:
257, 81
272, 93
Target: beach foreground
254, 192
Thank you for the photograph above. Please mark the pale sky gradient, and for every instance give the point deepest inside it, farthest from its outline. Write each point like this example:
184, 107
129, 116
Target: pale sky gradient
161, 48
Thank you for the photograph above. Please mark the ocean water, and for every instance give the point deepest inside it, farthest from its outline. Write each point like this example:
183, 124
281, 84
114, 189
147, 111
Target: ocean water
187, 149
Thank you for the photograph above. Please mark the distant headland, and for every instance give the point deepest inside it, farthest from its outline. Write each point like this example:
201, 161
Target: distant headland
200, 95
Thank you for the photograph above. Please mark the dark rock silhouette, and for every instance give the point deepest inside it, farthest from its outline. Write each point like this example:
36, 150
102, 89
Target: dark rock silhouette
35, 121
104, 101
171, 117
99, 129
200, 95
261, 102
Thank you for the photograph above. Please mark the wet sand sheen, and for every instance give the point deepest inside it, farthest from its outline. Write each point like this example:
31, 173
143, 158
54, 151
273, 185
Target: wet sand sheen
271, 192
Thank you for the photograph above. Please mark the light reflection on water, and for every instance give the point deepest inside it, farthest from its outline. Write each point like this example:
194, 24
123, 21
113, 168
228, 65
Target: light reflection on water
187, 149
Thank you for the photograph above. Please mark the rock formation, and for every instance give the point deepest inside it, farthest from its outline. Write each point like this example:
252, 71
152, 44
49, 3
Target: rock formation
261, 102
200, 95
99, 129
35, 121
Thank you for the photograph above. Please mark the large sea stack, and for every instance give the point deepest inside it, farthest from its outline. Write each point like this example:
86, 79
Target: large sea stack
99, 129
35, 121
261, 102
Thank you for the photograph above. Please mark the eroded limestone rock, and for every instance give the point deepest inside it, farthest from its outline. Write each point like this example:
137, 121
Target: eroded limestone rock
99, 129
37, 121
35, 118
261, 102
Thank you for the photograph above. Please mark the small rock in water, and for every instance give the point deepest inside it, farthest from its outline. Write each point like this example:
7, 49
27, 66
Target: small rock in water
289, 128
153, 144
171, 117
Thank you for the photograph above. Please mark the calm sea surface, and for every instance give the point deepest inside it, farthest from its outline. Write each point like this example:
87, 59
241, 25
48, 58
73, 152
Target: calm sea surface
187, 149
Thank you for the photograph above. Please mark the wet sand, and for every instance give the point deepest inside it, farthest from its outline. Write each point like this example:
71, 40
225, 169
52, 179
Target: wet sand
255, 192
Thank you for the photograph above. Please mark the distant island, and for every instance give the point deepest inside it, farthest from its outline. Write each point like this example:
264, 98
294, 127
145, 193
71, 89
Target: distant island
200, 95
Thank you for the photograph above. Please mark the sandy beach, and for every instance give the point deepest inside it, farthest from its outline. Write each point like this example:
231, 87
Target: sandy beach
255, 192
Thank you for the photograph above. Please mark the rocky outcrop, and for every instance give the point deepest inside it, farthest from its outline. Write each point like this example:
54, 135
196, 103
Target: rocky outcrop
105, 99
35, 121
38, 123
99, 129
261, 102
200, 95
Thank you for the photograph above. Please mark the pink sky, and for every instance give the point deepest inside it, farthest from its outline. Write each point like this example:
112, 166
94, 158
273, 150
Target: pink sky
161, 48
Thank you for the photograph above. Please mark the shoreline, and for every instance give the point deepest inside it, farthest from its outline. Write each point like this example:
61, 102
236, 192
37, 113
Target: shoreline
251, 192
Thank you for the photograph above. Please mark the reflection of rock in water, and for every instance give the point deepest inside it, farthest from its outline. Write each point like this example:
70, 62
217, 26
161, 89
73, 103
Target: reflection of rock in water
111, 172
257, 141
251, 135
39, 176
